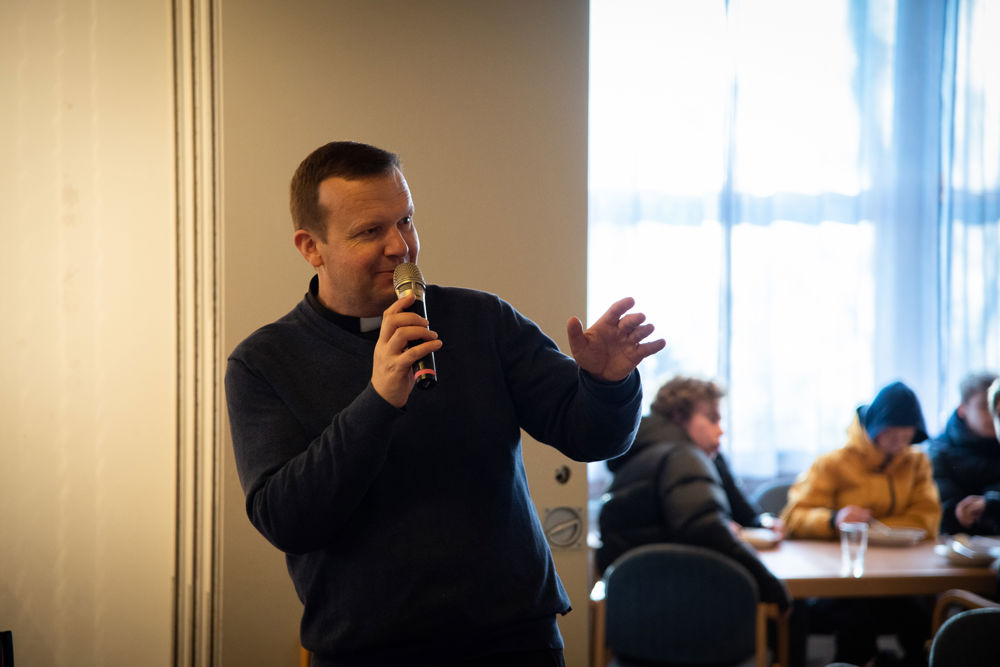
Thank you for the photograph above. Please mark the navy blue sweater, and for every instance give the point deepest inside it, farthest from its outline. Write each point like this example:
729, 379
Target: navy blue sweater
411, 531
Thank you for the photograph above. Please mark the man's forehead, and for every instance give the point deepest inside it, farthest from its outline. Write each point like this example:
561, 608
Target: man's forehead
390, 179
338, 194
709, 409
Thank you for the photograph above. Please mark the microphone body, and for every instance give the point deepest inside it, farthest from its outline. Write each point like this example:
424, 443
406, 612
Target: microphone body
407, 279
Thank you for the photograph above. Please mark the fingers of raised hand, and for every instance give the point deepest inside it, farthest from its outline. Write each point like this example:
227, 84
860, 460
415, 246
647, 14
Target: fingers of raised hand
644, 350
633, 328
636, 335
617, 309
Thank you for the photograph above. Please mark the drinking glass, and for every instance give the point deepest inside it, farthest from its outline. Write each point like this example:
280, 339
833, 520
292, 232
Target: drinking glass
853, 544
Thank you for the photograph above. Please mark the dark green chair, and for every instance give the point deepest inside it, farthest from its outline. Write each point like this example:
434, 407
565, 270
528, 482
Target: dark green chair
675, 604
968, 639
6, 649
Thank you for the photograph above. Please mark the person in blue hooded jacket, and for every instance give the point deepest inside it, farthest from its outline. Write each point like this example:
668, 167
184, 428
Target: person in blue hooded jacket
878, 474
966, 459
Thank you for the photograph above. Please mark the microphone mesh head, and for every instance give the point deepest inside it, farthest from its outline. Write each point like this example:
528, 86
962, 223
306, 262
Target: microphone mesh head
406, 273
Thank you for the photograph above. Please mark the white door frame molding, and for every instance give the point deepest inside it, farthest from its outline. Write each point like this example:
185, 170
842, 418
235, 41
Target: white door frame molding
196, 591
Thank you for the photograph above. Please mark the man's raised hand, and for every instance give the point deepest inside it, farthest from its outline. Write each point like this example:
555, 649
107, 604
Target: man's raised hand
613, 346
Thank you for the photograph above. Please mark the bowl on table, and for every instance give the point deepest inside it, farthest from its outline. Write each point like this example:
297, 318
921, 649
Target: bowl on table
961, 549
760, 538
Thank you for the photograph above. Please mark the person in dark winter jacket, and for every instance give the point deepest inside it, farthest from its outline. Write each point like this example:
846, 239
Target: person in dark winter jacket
993, 400
966, 460
666, 489
744, 512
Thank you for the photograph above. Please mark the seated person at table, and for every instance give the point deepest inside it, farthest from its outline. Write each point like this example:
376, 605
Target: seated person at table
966, 460
665, 488
876, 475
744, 512
993, 400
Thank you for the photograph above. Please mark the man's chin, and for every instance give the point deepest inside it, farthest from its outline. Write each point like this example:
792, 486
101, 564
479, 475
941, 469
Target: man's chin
710, 452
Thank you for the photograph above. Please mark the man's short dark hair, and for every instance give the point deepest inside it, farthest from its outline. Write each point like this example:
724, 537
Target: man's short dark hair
974, 384
677, 399
349, 160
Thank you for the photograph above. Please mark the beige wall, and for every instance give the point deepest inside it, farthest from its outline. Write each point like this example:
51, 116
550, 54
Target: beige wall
486, 102
87, 346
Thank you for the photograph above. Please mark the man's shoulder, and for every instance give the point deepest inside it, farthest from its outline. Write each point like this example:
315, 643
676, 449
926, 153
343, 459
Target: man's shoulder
835, 459
465, 306
641, 458
940, 447
682, 459
949, 435
465, 296
916, 455
289, 326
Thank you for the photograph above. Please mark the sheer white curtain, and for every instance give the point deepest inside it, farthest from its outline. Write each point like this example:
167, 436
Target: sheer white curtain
766, 179
970, 202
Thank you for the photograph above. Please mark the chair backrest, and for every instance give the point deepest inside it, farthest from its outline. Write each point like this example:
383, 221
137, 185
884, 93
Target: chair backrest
6, 649
771, 497
968, 639
680, 604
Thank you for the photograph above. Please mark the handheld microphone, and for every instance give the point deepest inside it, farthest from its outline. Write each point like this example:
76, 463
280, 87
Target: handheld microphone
407, 279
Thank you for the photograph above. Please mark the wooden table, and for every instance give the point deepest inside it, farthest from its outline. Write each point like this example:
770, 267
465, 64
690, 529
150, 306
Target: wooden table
811, 568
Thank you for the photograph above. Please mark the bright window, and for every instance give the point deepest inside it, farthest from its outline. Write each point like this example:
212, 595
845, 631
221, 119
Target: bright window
767, 179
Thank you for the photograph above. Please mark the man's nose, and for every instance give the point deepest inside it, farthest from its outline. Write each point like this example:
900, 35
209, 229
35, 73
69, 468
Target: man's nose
397, 245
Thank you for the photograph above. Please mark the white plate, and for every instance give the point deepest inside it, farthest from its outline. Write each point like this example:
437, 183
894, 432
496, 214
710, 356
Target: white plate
982, 542
759, 538
977, 558
896, 537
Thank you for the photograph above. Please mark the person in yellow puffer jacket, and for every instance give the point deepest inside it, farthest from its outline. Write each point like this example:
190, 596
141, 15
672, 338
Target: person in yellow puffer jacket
878, 474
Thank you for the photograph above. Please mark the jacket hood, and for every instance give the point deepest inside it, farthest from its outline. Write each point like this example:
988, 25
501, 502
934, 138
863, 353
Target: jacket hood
894, 405
872, 458
653, 429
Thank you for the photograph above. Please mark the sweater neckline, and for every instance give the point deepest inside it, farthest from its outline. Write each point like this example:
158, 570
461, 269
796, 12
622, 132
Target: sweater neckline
365, 327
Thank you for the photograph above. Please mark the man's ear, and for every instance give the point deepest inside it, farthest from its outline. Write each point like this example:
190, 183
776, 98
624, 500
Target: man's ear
961, 410
308, 245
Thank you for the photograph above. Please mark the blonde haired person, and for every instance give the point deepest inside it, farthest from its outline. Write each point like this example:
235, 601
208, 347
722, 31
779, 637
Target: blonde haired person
666, 488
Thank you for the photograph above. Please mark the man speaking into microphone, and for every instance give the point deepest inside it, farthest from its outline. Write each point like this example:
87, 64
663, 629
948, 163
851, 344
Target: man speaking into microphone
404, 514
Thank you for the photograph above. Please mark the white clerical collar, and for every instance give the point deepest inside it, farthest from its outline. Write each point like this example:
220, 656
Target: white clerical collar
370, 323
